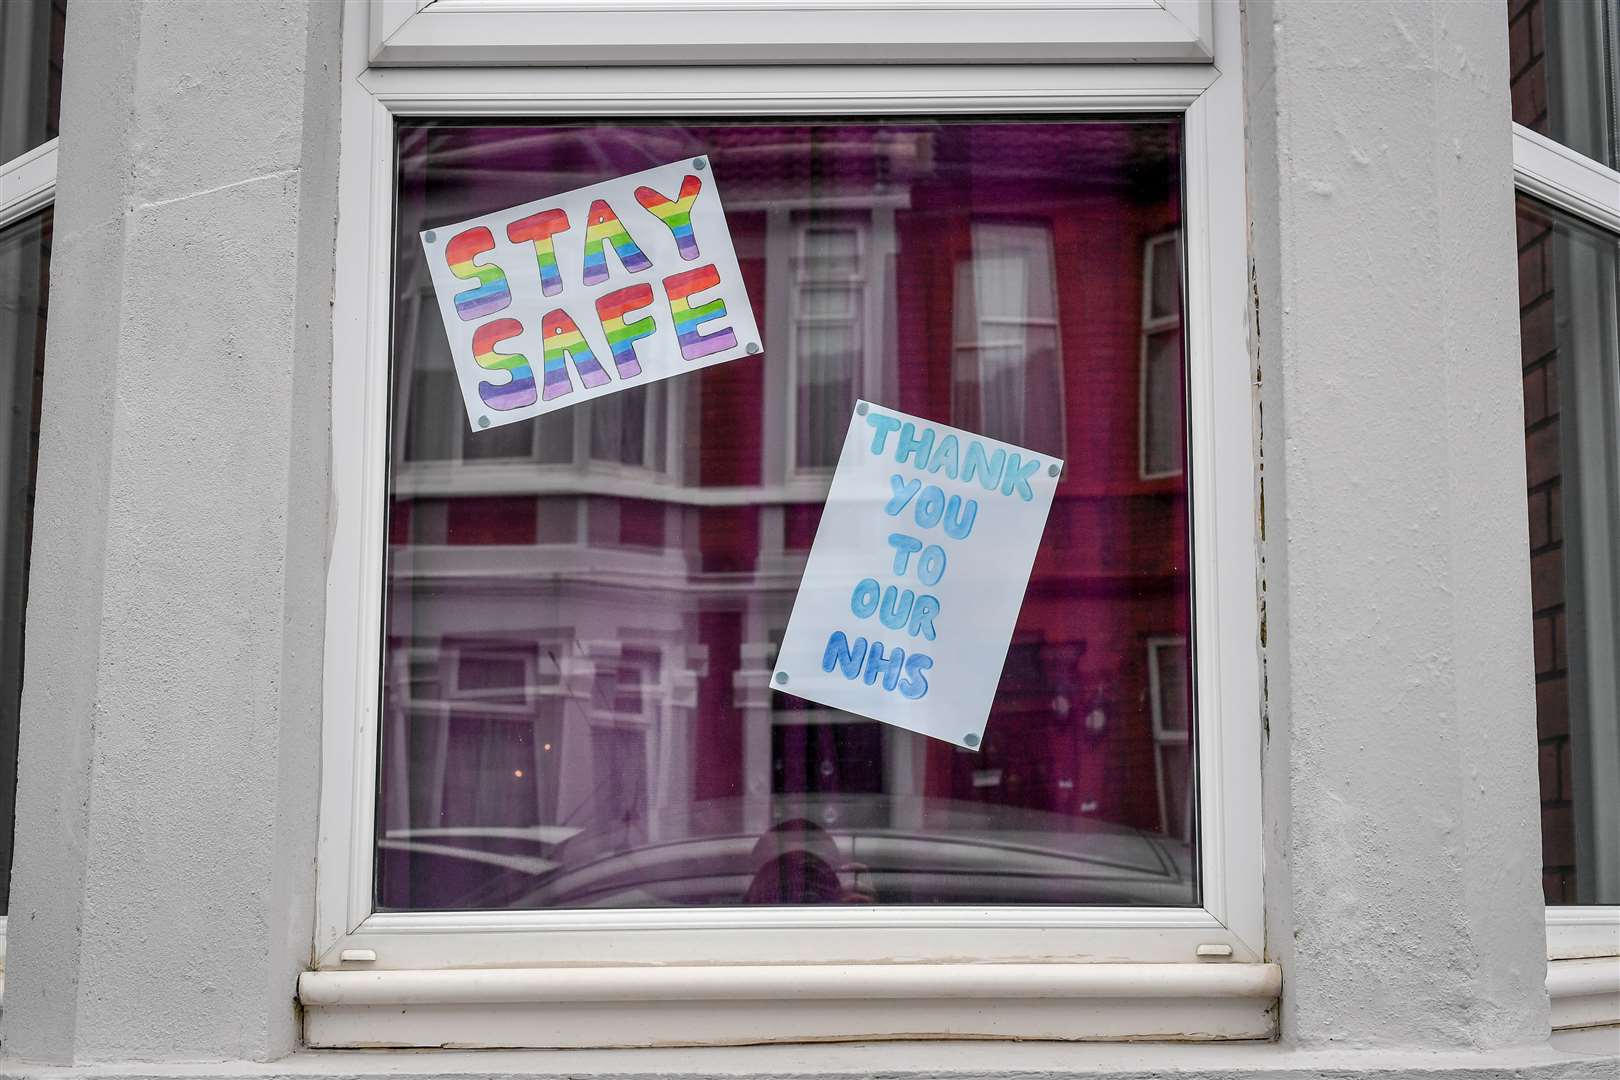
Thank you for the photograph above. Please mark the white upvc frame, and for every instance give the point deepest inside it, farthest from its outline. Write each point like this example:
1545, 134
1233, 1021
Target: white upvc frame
643, 976
1583, 976
27, 186
27, 183
581, 32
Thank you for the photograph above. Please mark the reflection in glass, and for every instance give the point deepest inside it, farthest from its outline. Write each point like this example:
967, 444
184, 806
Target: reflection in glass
1567, 334
1008, 380
30, 73
25, 261
1561, 58
1163, 376
583, 611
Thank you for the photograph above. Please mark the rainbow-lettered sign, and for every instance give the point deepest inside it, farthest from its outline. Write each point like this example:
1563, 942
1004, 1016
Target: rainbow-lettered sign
589, 292
917, 574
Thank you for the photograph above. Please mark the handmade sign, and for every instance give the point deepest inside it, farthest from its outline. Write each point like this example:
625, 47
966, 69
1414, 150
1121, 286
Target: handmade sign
917, 574
583, 294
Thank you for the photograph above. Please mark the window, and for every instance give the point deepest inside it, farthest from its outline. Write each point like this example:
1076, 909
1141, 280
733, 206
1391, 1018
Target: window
1563, 87
30, 90
1007, 378
1163, 376
1172, 730
576, 769
1572, 376
829, 336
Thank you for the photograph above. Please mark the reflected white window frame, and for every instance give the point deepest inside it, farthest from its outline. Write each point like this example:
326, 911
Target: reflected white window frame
987, 327
1164, 734
1153, 326
528, 474
580, 977
863, 320
27, 187
1583, 985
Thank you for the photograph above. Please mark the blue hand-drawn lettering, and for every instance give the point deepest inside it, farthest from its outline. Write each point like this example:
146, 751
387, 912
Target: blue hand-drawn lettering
1017, 478
877, 664
959, 517
910, 443
895, 609
922, 616
864, 600
988, 469
881, 426
902, 490
930, 507
931, 567
947, 456
842, 655
904, 548
915, 685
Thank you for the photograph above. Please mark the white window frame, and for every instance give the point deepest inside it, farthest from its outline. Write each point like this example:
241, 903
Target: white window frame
1151, 326
572, 32
594, 978
27, 187
1583, 977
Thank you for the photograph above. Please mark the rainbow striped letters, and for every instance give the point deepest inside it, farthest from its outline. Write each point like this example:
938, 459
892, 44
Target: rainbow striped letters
564, 342
622, 336
540, 228
540, 281
675, 213
519, 390
687, 318
490, 294
605, 226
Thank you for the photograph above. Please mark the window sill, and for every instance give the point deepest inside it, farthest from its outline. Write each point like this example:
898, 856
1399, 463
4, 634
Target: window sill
1585, 992
673, 1006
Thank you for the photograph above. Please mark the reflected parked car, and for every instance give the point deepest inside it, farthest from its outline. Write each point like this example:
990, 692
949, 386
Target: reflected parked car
963, 853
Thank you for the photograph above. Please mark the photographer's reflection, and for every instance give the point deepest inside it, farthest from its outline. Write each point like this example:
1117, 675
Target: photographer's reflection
797, 862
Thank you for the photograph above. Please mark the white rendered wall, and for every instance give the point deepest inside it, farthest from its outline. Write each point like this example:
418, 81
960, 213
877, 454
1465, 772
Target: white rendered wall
162, 902
1403, 851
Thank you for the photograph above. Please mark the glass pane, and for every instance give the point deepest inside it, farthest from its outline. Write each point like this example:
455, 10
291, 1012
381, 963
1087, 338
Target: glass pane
25, 262
1560, 55
1163, 431
515, 441
995, 281
30, 73
1567, 334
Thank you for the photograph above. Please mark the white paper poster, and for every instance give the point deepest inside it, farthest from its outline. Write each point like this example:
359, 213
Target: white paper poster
917, 574
588, 292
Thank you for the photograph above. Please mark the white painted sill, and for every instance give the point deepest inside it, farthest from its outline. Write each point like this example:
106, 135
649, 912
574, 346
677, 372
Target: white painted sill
1584, 992
639, 1006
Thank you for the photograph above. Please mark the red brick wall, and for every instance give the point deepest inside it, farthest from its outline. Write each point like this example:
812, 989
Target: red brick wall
1526, 53
1544, 468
